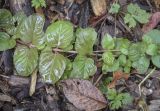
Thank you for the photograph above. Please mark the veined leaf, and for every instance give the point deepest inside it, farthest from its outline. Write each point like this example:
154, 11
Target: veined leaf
31, 31
83, 67
51, 66
85, 39
16, 20
108, 58
110, 68
60, 34
6, 42
25, 60
107, 42
122, 45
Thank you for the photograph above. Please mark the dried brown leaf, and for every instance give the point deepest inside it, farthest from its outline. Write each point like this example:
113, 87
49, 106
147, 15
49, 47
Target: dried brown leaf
154, 20
83, 94
116, 76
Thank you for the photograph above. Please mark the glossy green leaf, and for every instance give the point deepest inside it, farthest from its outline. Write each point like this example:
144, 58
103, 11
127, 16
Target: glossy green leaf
107, 42
25, 60
152, 49
6, 42
83, 67
85, 39
156, 60
60, 34
16, 20
108, 58
154, 35
5, 18
51, 65
141, 65
31, 31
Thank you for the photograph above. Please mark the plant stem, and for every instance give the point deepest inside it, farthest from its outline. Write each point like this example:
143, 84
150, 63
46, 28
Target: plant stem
139, 85
75, 52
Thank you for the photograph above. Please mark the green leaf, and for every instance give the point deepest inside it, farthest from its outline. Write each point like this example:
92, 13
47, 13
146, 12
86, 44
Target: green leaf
141, 65
51, 65
140, 15
156, 60
60, 34
25, 60
127, 69
16, 20
153, 35
85, 39
6, 42
127, 98
147, 39
122, 60
122, 45
134, 53
111, 94
115, 104
31, 31
114, 8
107, 42
111, 68
38, 3
83, 67
128, 19
152, 49
5, 18
108, 58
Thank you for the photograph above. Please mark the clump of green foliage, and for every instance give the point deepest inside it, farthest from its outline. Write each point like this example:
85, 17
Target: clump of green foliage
36, 49
38, 3
135, 14
118, 100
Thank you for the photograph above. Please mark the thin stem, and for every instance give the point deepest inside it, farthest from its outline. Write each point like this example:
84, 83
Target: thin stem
75, 52
139, 85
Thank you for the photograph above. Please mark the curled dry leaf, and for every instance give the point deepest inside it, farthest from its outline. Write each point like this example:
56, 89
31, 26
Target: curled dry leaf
83, 94
116, 76
154, 20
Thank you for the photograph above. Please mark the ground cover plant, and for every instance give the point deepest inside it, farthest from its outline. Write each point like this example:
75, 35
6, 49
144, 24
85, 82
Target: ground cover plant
93, 67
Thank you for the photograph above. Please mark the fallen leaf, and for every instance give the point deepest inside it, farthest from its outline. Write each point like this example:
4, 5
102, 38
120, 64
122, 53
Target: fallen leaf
154, 20
116, 76
83, 94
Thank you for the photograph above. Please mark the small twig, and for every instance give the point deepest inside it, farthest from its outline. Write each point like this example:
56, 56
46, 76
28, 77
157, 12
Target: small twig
33, 83
139, 85
99, 78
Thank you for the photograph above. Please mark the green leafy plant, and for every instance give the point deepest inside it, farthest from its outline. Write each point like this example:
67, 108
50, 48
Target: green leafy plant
135, 14
46, 51
118, 100
38, 3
